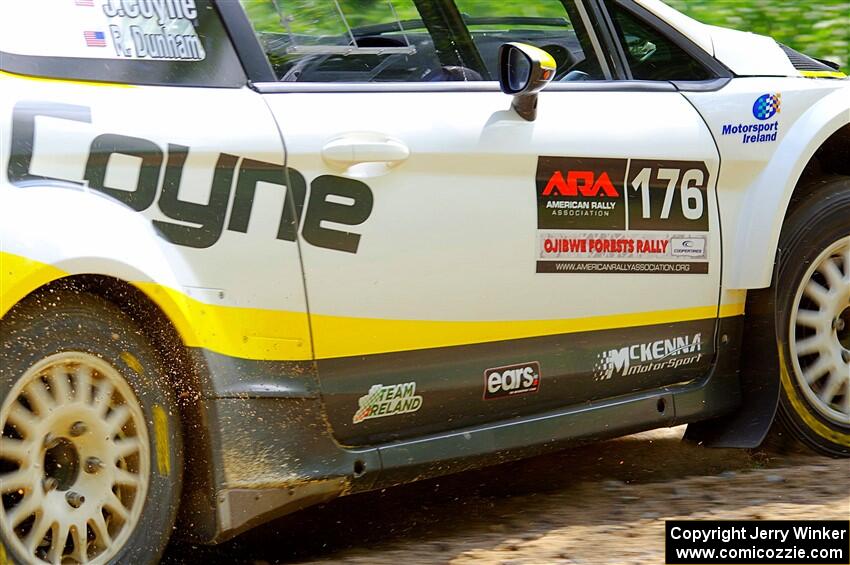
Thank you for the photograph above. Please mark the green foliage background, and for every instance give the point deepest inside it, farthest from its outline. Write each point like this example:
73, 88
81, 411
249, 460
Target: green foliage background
819, 29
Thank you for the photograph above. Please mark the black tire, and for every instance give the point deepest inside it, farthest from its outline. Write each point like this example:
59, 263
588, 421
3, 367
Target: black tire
62, 321
817, 222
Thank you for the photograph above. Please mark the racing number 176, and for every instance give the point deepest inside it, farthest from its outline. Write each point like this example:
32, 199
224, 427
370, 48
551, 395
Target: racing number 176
652, 190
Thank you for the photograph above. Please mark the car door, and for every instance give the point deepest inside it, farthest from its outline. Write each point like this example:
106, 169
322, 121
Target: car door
464, 265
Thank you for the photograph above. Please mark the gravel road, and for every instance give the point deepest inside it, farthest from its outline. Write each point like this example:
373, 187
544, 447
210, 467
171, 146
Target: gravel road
603, 503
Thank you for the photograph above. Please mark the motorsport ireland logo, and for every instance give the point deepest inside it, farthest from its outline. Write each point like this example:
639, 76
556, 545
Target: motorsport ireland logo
389, 400
767, 106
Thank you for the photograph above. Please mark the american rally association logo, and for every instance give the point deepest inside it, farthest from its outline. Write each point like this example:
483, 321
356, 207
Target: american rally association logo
647, 357
387, 400
580, 193
767, 106
580, 183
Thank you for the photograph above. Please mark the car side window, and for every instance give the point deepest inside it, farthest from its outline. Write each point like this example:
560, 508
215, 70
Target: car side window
408, 41
344, 40
552, 25
651, 55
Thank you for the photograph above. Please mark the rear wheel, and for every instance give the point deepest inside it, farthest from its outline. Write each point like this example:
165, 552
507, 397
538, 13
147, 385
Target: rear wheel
90, 451
813, 323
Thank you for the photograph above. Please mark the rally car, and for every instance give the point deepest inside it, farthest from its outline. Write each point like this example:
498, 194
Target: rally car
257, 255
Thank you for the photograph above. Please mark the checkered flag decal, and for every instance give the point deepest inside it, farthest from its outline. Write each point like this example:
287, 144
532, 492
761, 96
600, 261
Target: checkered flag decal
767, 106
603, 369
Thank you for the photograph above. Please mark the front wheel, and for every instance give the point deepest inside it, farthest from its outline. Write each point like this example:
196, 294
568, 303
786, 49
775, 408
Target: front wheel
813, 319
90, 451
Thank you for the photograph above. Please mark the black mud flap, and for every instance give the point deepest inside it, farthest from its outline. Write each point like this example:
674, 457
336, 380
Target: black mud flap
748, 426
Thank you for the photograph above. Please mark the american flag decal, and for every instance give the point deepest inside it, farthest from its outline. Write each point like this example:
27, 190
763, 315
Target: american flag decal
95, 38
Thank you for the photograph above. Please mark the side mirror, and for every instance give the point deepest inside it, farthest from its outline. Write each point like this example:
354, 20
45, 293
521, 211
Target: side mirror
524, 70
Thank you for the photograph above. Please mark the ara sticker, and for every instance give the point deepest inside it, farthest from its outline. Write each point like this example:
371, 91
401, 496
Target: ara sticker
622, 216
387, 400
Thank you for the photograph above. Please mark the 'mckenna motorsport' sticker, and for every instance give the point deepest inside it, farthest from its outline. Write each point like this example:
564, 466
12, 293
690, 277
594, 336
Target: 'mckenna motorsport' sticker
622, 216
387, 400
642, 358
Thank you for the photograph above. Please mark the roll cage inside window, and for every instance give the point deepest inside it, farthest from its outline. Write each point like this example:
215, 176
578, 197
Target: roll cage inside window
361, 41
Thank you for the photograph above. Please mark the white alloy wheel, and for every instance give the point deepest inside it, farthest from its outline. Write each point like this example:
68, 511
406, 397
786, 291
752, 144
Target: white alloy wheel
74, 461
820, 333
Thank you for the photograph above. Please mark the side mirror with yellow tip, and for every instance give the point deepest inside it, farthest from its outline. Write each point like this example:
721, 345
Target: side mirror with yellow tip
524, 70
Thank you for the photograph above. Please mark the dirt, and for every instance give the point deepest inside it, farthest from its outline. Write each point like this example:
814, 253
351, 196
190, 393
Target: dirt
603, 503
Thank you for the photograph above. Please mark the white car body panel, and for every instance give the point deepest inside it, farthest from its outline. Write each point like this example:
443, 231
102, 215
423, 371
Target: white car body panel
757, 180
91, 233
470, 124
457, 218
80, 250
750, 54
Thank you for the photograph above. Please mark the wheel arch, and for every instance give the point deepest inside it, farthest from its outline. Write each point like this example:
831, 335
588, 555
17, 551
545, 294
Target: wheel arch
55, 237
762, 367
830, 159
187, 374
51, 232
124, 285
158, 328
826, 155
811, 147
